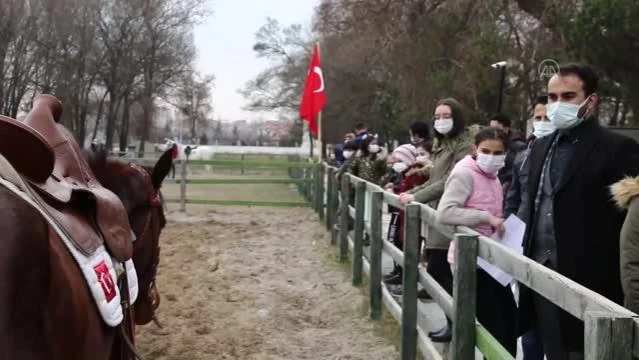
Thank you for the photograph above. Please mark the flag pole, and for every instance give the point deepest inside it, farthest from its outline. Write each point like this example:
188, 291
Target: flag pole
320, 145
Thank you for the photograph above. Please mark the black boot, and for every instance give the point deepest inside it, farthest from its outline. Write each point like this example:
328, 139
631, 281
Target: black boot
444, 335
395, 277
423, 295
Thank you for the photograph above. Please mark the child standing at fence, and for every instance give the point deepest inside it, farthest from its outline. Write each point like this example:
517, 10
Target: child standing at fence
473, 197
405, 164
370, 162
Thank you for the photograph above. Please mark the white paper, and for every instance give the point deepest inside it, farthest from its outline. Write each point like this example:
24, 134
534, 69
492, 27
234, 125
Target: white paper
513, 237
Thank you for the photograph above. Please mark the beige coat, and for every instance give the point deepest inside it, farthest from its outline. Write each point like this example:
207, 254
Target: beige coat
625, 194
447, 154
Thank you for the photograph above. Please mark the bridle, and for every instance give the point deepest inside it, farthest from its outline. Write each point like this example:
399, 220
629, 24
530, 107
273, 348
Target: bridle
154, 203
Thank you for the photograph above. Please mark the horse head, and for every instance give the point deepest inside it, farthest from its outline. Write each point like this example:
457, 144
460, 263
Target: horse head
139, 190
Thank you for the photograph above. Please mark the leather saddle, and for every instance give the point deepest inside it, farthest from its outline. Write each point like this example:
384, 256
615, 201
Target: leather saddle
48, 157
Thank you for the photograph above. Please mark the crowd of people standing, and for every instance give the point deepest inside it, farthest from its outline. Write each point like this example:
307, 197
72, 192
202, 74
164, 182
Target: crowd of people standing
574, 183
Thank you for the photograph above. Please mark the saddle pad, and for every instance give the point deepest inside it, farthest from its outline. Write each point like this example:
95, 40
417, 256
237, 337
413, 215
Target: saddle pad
98, 268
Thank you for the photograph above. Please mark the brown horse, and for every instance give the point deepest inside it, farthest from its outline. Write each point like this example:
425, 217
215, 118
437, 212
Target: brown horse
46, 308
139, 190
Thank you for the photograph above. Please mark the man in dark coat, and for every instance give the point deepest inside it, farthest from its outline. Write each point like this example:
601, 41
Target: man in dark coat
573, 225
516, 144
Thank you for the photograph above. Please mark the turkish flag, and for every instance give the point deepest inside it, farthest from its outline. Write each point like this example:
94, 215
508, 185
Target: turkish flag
314, 97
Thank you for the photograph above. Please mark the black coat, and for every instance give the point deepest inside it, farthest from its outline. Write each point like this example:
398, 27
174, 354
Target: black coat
587, 222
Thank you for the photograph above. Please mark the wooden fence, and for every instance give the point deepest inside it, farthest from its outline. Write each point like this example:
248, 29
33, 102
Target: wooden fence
611, 331
299, 172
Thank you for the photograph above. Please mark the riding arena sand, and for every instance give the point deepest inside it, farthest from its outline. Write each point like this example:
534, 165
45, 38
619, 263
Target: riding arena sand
257, 283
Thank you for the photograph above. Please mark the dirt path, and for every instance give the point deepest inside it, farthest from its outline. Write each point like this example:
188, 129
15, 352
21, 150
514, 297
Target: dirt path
255, 283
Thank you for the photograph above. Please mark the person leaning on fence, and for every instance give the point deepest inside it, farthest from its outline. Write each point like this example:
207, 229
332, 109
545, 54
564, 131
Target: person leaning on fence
517, 202
626, 195
349, 151
573, 226
453, 144
370, 161
405, 161
516, 146
474, 197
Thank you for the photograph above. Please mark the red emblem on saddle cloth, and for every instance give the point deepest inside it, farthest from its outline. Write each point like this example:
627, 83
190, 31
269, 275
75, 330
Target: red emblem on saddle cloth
104, 278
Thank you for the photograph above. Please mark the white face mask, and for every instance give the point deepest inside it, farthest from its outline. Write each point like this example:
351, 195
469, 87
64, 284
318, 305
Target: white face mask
490, 163
443, 126
373, 148
565, 115
347, 154
400, 167
543, 128
423, 159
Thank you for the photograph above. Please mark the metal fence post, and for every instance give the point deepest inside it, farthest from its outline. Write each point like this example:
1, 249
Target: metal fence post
375, 293
358, 248
412, 225
464, 297
344, 219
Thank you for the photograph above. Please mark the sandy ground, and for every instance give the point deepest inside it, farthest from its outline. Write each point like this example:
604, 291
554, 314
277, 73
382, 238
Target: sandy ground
256, 283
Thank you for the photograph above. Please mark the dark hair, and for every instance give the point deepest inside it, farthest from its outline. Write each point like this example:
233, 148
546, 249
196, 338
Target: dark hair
492, 133
583, 72
350, 145
426, 145
541, 100
502, 119
458, 118
420, 129
360, 126
363, 145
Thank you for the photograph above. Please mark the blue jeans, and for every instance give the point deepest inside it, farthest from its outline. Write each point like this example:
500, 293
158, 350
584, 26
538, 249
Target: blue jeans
532, 345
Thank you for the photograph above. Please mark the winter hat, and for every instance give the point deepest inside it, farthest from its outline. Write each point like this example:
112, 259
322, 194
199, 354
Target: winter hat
406, 153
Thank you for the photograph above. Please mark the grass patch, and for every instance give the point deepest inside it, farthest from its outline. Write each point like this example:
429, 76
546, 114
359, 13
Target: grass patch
387, 327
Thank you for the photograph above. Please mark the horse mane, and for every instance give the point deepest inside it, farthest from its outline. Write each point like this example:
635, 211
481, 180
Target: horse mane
98, 157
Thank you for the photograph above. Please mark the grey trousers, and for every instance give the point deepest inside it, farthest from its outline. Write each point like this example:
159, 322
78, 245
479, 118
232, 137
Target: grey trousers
548, 326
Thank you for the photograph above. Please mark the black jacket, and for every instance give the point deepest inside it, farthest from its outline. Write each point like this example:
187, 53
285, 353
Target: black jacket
587, 222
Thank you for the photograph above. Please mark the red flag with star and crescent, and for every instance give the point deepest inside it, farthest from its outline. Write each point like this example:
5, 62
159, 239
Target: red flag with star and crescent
314, 97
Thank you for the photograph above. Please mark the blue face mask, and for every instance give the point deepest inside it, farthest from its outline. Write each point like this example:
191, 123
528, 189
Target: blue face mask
565, 115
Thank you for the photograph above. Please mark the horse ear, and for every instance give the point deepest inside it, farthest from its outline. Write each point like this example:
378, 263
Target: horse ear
162, 168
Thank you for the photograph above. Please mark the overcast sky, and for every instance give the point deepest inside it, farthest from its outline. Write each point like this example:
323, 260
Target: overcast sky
225, 42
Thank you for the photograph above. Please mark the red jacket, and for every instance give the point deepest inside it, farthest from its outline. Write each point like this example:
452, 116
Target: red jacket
408, 182
175, 152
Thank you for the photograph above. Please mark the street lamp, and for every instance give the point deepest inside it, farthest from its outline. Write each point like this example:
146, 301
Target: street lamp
502, 80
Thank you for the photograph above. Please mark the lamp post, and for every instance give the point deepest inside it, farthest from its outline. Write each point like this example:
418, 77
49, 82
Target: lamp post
502, 82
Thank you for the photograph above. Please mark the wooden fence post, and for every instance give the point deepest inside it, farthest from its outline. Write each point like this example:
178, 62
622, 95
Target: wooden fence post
608, 336
464, 297
344, 219
318, 186
242, 161
375, 293
358, 241
183, 184
412, 226
321, 193
307, 185
315, 187
335, 205
330, 179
